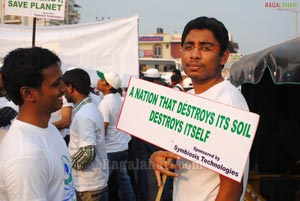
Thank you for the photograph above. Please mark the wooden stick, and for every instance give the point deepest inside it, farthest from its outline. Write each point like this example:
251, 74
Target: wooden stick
161, 188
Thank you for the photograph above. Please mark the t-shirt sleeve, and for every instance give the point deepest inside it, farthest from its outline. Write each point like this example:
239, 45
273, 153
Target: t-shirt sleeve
87, 130
26, 179
104, 109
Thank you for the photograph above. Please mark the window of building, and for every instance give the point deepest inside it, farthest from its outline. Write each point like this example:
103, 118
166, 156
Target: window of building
157, 51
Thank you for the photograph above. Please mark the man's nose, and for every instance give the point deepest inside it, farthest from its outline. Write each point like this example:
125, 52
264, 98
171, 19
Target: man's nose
63, 87
196, 53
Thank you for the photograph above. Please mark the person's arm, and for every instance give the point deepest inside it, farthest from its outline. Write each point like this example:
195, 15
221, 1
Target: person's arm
105, 127
161, 165
65, 121
230, 190
83, 157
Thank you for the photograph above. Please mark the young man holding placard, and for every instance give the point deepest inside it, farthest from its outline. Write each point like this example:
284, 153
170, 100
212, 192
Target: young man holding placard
204, 46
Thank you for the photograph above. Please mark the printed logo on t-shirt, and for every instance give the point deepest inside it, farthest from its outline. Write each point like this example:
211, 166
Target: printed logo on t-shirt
69, 189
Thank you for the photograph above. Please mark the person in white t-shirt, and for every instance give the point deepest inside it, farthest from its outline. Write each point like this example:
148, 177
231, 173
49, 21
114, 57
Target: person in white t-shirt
87, 139
177, 80
8, 111
4, 99
34, 159
204, 46
61, 119
116, 141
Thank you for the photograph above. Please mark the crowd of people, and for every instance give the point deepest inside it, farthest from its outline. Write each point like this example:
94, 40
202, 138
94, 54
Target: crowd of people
59, 139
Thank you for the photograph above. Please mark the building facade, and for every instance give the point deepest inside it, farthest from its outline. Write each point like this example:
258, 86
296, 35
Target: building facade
162, 45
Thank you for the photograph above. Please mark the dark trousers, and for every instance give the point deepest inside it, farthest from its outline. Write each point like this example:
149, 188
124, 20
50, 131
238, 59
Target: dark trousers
118, 174
99, 195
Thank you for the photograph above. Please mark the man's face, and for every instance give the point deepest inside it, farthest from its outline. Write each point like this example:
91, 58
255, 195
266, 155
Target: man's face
201, 57
49, 97
102, 85
68, 94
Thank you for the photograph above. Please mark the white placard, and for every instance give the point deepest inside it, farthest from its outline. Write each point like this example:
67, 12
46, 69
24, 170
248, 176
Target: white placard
53, 9
209, 133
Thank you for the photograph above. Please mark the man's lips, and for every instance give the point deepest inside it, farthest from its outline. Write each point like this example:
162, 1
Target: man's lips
195, 66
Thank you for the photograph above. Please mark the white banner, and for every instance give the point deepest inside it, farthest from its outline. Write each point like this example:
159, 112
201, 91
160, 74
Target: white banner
105, 46
212, 134
54, 9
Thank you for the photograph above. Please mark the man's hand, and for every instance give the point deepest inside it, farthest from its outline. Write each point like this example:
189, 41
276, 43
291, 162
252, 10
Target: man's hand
161, 163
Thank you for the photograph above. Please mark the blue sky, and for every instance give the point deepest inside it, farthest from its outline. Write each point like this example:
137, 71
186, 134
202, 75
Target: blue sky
252, 25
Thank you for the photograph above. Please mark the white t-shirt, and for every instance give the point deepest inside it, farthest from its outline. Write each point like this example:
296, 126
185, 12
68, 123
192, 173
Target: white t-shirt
195, 182
110, 108
3, 131
35, 164
87, 129
178, 87
95, 98
56, 116
4, 102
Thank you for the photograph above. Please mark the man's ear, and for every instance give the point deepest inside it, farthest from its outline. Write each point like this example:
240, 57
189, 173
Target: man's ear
27, 93
70, 89
224, 57
108, 86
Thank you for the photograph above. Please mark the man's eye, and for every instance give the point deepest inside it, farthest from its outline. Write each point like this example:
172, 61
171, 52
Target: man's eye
188, 47
205, 48
57, 83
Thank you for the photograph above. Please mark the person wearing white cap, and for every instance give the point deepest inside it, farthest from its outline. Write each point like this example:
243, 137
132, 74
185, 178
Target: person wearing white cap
187, 84
152, 75
116, 141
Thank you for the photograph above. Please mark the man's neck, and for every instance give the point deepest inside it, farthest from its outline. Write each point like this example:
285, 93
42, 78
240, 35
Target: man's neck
106, 92
202, 86
33, 117
78, 98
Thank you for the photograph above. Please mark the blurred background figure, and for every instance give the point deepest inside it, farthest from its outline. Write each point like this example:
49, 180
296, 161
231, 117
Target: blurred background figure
4, 99
183, 75
176, 72
152, 75
176, 82
116, 141
8, 110
187, 84
61, 119
87, 139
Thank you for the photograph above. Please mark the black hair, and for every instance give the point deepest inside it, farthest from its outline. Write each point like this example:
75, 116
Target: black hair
24, 67
216, 27
175, 78
79, 79
177, 72
113, 90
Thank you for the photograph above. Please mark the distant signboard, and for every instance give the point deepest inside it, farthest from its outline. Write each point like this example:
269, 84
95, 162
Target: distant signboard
54, 9
151, 38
